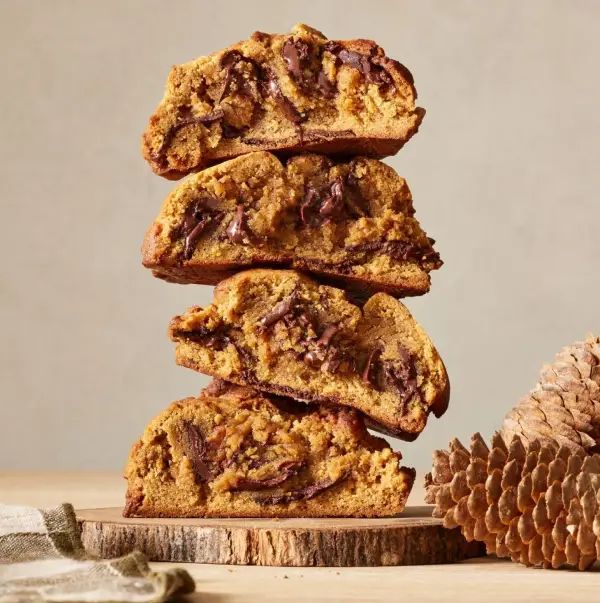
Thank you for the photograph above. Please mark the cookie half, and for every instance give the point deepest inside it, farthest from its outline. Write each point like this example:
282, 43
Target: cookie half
295, 92
284, 333
350, 222
234, 452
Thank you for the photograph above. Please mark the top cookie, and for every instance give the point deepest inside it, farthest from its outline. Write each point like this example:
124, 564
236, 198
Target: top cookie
296, 92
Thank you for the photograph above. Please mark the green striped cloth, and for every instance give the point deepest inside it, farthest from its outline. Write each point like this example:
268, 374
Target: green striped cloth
42, 559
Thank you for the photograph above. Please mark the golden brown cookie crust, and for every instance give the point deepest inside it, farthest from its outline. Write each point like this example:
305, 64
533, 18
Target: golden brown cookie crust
234, 452
350, 222
288, 93
284, 333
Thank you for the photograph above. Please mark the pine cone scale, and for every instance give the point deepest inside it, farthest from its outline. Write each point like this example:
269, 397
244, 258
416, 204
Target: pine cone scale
524, 498
459, 486
492, 519
477, 502
493, 486
526, 527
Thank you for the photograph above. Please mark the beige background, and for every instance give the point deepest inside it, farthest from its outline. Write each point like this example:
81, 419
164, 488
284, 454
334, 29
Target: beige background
504, 173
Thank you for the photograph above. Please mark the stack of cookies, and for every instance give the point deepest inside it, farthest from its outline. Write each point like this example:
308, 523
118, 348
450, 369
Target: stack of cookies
310, 240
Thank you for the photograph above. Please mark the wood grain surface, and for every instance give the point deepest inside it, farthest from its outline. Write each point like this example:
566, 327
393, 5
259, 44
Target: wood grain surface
413, 539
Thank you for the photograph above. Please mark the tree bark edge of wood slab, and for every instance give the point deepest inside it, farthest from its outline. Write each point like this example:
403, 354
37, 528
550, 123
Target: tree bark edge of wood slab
288, 543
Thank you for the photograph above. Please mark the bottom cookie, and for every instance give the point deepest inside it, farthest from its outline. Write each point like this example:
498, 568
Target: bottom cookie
235, 452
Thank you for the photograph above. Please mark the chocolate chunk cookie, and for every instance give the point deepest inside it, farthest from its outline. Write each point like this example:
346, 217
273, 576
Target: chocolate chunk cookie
234, 452
346, 222
296, 92
283, 333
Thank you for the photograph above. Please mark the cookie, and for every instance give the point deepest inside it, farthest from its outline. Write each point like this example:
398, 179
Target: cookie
283, 333
349, 222
234, 452
290, 93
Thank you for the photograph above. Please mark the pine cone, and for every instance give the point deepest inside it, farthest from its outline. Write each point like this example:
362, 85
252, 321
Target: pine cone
565, 405
539, 506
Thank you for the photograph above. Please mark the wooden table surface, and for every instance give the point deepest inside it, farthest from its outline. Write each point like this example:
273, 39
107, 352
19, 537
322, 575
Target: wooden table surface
474, 581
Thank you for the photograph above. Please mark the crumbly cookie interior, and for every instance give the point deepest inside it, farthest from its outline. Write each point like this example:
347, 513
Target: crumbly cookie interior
242, 453
284, 333
278, 91
353, 219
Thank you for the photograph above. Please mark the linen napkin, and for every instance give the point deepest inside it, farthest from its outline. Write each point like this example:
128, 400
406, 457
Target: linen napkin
42, 559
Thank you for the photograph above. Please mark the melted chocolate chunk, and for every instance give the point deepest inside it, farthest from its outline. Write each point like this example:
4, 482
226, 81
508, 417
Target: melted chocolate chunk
305, 493
195, 450
332, 365
368, 376
318, 352
334, 203
328, 90
332, 47
192, 238
228, 62
247, 356
285, 104
331, 358
380, 76
367, 64
281, 309
231, 58
294, 53
327, 335
339, 362
213, 339
310, 202
234, 78
305, 321
366, 247
297, 56
432, 256
403, 250
354, 59
315, 210
287, 470
198, 215
337, 200
402, 375
238, 230
216, 342
399, 250
315, 358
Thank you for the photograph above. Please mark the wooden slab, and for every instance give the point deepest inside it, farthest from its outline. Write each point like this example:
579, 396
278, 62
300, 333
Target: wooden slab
415, 538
